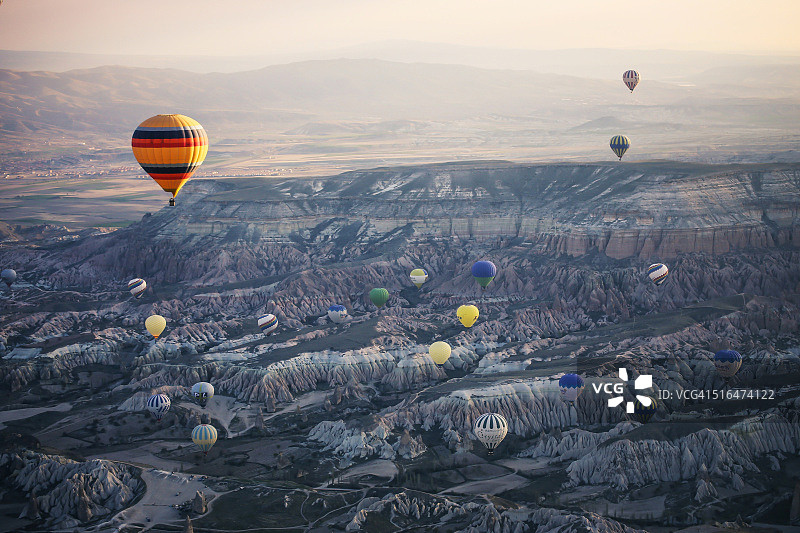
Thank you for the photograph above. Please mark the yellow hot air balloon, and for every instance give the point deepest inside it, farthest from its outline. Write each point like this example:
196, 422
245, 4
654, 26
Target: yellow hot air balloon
468, 314
440, 352
418, 277
204, 435
155, 324
170, 148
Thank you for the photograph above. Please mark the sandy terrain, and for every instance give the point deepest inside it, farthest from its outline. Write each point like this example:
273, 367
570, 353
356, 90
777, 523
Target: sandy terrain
222, 409
518, 464
638, 509
19, 414
303, 401
163, 491
379, 468
144, 455
489, 486
56, 434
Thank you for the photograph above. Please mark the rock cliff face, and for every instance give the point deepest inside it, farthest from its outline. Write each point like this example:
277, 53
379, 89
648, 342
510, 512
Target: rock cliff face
640, 210
571, 243
408, 505
722, 454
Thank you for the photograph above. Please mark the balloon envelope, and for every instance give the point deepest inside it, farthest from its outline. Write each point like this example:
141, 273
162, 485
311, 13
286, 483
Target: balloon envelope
570, 386
631, 79
728, 362
491, 429
619, 145
379, 297
9, 276
158, 404
137, 287
202, 392
155, 324
484, 272
643, 413
337, 313
204, 435
418, 277
440, 352
169, 148
657, 273
467, 314
268, 323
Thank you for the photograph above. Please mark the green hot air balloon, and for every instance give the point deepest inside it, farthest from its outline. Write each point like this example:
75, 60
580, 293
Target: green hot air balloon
379, 297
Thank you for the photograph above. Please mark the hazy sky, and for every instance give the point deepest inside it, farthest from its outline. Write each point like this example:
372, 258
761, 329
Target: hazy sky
255, 27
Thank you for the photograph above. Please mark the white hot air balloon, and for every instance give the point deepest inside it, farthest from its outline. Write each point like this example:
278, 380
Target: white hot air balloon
657, 273
137, 286
202, 392
337, 313
491, 429
158, 404
631, 79
268, 323
9, 276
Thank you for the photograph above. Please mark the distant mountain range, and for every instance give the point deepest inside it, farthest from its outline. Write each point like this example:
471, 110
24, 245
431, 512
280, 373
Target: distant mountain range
114, 98
593, 63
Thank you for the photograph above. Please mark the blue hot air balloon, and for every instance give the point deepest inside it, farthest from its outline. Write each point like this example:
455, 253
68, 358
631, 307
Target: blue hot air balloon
619, 145
571, 386
643, 413
728, 362
484, 272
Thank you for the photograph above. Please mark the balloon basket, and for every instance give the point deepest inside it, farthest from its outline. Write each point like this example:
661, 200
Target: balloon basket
172, 202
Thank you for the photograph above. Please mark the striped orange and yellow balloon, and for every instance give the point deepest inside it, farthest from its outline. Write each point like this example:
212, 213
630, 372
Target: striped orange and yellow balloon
170, 148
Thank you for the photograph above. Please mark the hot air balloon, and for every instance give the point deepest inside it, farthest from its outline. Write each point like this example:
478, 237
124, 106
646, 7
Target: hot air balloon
418, 277
620, 145
484, 272
571, 386
468, 314
643, 413
170, 148
202, 392
204, 435
337, 313
158, 404
440, 352
268, 323
631, 79
657, 273
491, 429
155, 324
8, 276
379, 297
728, 362
137, 287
